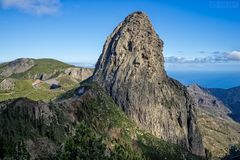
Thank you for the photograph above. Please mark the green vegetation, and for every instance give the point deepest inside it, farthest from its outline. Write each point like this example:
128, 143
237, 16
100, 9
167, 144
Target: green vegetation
83, 145
2, 65
86, 144
67, 82
47, 66
102, 111
24, 88
23, 81
20, 123
158, 149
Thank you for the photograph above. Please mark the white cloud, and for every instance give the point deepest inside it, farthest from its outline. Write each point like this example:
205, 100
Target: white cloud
234, 55
215, 57
174, 59
38, 7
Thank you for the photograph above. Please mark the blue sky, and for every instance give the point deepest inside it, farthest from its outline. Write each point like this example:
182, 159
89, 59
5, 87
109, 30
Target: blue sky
195, 32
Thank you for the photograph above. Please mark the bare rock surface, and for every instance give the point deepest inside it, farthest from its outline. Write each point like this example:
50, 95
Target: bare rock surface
7, 84
79, 73
131, 70
17, 66
207, 102
52, 81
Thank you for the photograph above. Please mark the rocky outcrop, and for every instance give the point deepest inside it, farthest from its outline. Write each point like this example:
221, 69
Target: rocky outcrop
17, 66
131, 70
207, 102
76, 73
7, 84
23, 106
79, 73
44, 76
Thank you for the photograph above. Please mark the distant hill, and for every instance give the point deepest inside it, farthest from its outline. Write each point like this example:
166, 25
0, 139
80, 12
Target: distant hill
219, 131
39, 79
208, 102
231, 98
26, 68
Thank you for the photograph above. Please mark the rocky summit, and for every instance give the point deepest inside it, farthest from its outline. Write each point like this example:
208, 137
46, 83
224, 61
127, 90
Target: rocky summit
131, 70
18, 66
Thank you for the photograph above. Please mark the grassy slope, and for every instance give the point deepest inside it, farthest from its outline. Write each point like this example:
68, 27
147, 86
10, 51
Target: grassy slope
23, 85
24, 88
47, 66
218, 134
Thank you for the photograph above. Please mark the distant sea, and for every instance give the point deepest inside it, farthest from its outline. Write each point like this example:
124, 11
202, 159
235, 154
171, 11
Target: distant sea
209, 79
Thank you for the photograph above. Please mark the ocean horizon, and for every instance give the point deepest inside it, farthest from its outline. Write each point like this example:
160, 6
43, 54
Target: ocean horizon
206, 78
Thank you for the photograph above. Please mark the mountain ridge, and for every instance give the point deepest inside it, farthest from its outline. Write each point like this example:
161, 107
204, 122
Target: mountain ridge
230, 97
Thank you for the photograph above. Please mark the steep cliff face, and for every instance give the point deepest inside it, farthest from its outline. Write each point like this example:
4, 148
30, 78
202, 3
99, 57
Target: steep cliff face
131, 69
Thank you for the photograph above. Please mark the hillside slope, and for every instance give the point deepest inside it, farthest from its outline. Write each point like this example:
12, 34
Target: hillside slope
231, 98
219, 131
43, 69
39, 79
